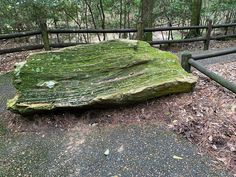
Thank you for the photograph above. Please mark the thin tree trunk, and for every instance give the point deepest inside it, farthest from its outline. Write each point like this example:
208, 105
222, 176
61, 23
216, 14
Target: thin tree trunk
147, 18
125, 18
93, 19
43, 27
121, 14
76, 21
55, 25
86, 21
103, 18
128, 19
68, 26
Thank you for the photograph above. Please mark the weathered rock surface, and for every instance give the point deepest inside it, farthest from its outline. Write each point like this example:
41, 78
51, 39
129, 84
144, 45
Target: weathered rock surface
108, 73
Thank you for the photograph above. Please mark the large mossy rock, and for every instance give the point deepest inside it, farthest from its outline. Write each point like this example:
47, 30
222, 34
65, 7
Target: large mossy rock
108, 73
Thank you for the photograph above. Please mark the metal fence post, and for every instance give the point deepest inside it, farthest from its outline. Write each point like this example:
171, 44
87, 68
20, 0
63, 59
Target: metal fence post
208, 35
185, 57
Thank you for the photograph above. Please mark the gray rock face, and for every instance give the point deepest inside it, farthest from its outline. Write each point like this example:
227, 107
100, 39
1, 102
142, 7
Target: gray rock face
107, 73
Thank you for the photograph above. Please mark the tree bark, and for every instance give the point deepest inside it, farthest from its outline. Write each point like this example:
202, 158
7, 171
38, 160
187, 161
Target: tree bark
125, 35
147, 18
92, 16
103, 17
121, 14
44, 30
196, 6
55, 25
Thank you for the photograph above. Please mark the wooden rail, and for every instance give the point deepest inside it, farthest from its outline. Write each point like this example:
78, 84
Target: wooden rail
36, 47
18, 35
57, 31
177, 41
42, 32
187, 60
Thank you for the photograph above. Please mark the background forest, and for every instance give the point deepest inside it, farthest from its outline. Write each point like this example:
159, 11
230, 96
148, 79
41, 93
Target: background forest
25, 15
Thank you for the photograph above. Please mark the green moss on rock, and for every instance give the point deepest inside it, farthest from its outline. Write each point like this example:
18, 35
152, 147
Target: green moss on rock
113, 72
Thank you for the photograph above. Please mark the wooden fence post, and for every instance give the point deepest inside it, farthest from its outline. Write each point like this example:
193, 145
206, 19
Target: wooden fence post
44, 33
185, 57
140, 31
208, 35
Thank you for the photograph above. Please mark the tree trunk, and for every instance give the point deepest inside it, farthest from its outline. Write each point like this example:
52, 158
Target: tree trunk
125, 35
147, 18
128, 18
55, 25
86, 22
196, 6
121, 14
92, 16
43, 27
68, 27
103, 17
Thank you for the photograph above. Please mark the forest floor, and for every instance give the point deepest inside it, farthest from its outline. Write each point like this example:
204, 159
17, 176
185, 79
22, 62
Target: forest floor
206, 117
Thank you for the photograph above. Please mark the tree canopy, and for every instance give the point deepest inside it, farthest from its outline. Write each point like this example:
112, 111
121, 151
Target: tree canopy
21, 15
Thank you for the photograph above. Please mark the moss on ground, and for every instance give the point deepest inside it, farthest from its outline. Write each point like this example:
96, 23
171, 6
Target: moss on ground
113, 72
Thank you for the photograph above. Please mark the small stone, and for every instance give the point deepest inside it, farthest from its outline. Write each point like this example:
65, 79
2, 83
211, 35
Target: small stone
210, 138
214, 147
94, 124
106, 153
